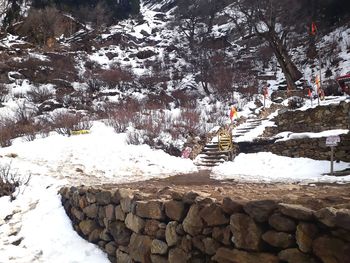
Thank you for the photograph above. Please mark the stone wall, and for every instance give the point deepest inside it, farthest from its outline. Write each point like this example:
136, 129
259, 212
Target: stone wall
317, 119
178, 228
314, 148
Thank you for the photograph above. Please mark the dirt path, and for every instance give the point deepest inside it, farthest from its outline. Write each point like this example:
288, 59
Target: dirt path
314, 196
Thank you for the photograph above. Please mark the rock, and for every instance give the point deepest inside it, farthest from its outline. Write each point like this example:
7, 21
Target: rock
120, 233
296, 211
125, 204
153, 209
282, 223
87, 226
159, 247
158, 259
134, 223
77, 214
225, 255
279, 239
229, 206
293, 255
109, 211
119, 214
111, 248
331, 250
160, 234
193, 223
151, 227
123, 257
177, 255
83, 202
260, 210
171, 236
103, 197
222, 234
305, 234
95, 235
197, 242
246, 234
342, 234
105, 236
210, 246
91, 211
213, 215
175, 210
333, 217
91, 198
190, 197
140, 248
186, 243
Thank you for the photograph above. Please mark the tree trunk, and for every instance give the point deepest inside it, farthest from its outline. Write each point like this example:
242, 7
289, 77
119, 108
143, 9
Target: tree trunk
290, 71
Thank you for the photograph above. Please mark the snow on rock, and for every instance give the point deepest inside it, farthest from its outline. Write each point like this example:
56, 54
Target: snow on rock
270, 168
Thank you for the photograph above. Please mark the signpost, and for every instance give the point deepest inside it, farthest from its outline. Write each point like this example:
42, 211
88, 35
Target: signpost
332, 141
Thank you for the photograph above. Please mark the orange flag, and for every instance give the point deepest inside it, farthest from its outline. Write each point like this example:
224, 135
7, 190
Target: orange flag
309, 92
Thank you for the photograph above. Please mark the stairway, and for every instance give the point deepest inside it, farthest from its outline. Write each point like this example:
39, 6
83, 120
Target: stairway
211, 155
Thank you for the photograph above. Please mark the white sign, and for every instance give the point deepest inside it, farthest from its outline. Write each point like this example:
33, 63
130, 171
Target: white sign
332, 140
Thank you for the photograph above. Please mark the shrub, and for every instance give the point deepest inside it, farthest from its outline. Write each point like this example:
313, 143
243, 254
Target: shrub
3, 93
7, 132
295, 102
39, 94
10, 180
64, 122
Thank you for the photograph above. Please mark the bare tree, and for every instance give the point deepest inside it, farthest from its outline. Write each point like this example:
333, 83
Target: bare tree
267, 19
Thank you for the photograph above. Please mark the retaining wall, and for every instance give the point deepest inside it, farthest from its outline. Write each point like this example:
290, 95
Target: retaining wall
177, 228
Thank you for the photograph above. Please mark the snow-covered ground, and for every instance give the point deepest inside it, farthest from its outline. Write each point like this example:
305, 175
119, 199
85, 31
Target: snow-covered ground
270, 168
39, 219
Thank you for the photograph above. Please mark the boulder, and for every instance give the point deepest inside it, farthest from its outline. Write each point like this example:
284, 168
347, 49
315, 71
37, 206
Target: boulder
87, 226
95, 235
296, 211
134, 223
331, 250
193, 223
333, 217
120, 233
210, 246
222, 234
103, 197
151, 227
109, 211
77, 214
171, 236
230, 206
246, 234
305, 234
140, 248
279, 239
282, 223
175, 210
225, 255
159, 247
126, 204
293, 255
119, 214
91, 211
123, 257
158, 259
177, 255
153, 209
110, 248
213, 215
260, 210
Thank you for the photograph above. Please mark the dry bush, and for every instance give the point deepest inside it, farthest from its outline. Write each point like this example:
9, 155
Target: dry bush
295, 102
39, 94
7, 131
25, 113
10, 181
116, 77
188, 122
64, 122
3, 93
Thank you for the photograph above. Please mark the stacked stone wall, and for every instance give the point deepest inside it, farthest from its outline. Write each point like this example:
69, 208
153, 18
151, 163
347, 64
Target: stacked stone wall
178, 228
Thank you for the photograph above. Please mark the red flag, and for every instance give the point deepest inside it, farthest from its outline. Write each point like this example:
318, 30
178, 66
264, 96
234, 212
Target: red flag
233, 113
309, 92
265, 92
313, 28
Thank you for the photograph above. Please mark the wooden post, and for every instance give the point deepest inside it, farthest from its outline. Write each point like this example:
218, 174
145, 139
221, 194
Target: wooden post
332, 160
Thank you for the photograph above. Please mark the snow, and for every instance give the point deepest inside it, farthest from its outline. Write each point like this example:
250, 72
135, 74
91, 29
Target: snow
284, 136
270, 168
39, 218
